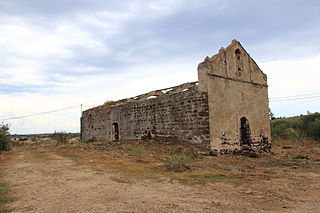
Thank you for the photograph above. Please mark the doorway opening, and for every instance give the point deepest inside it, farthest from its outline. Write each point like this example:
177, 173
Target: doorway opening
245, 133
115, 130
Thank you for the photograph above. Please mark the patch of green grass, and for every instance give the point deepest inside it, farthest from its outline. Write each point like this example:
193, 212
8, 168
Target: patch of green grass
2, 210
177, 163
208, 177
138, 152
4, 197
2, 192
198, 179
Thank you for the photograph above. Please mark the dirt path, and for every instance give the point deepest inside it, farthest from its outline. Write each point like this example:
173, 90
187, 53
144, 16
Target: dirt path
43, 181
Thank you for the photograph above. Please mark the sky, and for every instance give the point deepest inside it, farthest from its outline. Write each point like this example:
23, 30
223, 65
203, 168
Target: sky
61, 54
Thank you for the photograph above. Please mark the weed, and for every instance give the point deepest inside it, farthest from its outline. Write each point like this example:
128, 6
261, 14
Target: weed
4, 198
2, 210
201, 178
138, 152
177, 163
208, 177
2, 191
60, 137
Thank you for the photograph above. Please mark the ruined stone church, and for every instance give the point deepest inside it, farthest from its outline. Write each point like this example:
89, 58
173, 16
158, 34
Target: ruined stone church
225, 110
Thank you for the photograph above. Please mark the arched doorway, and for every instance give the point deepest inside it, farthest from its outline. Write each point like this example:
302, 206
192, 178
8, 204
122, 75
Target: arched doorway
245, 133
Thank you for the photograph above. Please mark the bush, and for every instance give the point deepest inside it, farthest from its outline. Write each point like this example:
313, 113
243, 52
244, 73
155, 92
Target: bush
138, 152
4, 137
177, 163
60, 137
294, 128
23, 139
311, 125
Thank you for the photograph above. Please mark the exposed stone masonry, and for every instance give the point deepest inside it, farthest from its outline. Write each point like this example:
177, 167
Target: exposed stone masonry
179, 114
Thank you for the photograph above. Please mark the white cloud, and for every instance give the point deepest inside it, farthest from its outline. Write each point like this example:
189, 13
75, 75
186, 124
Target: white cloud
293, 77
92, 52
89, 91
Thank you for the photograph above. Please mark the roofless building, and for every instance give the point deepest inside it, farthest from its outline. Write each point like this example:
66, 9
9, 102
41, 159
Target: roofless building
225, 110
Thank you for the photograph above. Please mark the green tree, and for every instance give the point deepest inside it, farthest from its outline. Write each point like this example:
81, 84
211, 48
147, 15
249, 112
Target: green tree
4, 137
271, 115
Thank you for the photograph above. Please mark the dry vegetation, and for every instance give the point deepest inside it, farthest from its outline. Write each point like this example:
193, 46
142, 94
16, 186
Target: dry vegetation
4, 195
191, 165
168, 177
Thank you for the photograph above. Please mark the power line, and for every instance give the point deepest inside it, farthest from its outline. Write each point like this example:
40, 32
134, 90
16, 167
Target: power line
89, 105
40, 113
292, 99
293, 104
293, 96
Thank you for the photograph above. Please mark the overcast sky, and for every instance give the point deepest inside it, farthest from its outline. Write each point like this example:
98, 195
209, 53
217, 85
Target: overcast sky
63, 53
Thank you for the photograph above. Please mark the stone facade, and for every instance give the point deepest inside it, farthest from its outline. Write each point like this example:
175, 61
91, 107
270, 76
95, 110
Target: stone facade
227, 109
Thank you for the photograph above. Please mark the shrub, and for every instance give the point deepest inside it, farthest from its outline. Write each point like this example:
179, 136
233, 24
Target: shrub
290, 134
138, 152
177, 163
4, 137
23, 139
312, 126
294, 128
60, 137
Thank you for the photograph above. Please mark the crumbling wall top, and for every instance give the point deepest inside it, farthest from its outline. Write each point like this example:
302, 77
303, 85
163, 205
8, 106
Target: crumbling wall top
152, 94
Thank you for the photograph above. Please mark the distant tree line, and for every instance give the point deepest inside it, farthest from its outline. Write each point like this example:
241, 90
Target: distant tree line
294, 128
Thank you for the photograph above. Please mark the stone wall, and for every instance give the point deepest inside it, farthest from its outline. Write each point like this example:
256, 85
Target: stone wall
182, 116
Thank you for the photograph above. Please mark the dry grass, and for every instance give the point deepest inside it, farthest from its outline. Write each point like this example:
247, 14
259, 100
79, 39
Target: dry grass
285, 176
4, 195
142, 160
152, 160
304, 143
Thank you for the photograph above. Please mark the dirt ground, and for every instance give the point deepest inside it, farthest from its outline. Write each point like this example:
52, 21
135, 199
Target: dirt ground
104, 178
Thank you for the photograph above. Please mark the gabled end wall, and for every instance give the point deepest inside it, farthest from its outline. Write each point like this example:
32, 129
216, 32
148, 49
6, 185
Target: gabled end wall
237, 89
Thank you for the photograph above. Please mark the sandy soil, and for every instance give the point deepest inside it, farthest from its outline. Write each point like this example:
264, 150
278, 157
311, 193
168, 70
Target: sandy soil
43, 180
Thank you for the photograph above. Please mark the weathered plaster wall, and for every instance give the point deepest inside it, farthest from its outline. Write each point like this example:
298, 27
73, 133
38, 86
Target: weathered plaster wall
236, 88
181, 116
